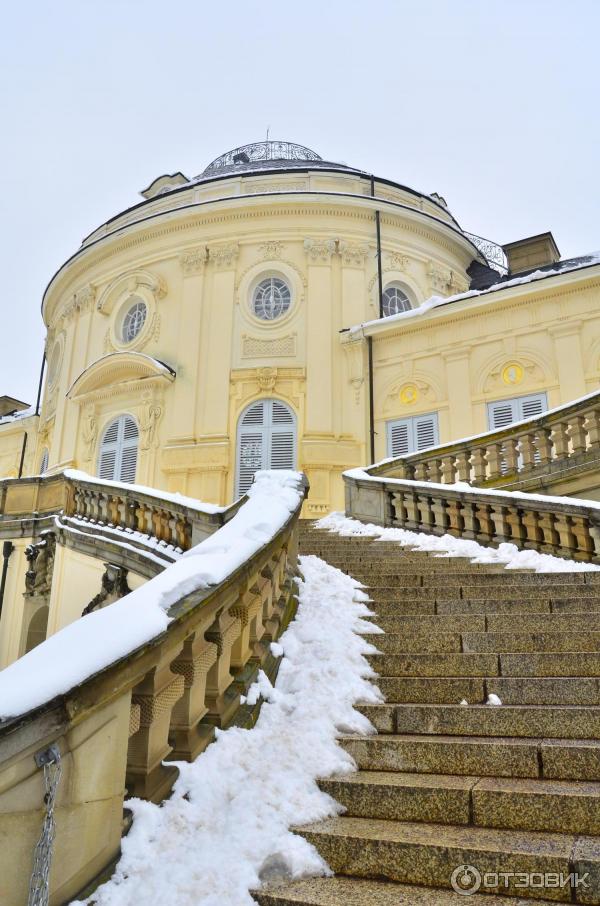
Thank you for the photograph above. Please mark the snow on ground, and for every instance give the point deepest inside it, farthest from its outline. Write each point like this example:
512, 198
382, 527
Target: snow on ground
88, 645
447, 546
227, 825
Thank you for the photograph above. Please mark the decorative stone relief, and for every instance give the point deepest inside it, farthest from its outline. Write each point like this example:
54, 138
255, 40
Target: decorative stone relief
149, 417
89, 432
267, 378
408, 393
193, 260
40, 556
223, 255
319, 251
511, 374
113, 586
255, 347
397, 261
354, 351
270, 250
354, 253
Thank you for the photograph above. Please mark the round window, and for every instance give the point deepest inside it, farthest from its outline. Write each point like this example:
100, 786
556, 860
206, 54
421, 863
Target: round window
134, 320
394, 300
271, 299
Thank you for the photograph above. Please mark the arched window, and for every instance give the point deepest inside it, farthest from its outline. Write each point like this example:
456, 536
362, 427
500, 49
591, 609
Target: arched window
44, 461
394, 300
266, 440
118, 450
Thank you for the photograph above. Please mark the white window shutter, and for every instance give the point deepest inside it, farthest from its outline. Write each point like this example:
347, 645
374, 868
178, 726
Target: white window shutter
266, 440
407, 435
118, 450
532, 406
501, 414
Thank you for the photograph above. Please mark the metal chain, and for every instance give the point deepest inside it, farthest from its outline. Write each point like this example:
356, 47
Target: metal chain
39, 886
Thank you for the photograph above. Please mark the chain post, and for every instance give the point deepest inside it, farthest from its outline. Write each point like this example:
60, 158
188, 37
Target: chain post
39, 886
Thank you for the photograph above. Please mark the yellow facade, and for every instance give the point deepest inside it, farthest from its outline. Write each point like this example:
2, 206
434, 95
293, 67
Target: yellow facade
193, 253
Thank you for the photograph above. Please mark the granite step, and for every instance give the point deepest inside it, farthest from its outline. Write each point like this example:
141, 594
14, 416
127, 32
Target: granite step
485, 756
446, 690
435, 664
559, 722
555, 806
429, 854
341, 891
421, 642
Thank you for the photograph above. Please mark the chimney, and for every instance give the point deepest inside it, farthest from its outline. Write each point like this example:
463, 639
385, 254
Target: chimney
528, 254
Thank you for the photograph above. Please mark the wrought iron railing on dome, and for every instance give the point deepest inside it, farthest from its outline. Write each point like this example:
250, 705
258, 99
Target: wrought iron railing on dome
491, 251
258, 151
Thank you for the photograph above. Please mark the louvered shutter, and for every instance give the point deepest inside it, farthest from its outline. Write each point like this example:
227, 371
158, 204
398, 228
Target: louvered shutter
118, 450
408, 435
44, 462
266, 440
426, 431
532, 406
501, 414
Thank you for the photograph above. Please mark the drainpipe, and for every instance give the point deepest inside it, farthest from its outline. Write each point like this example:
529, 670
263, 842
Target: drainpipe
378, 234
7, 549
371, 408
39, 393
23, 448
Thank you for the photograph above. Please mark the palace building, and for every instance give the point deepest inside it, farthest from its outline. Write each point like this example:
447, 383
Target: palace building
280, 310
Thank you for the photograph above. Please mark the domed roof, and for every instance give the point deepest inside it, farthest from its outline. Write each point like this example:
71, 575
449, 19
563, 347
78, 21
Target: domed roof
265, 156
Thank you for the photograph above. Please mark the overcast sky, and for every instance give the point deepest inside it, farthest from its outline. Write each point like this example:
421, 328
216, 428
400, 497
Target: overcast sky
492, 104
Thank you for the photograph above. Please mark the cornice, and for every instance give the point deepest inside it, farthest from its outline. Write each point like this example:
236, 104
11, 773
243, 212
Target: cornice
247, 207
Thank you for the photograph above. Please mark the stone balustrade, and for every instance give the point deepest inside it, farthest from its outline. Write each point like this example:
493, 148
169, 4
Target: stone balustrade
153, 522
161, 702
552, 525
559, 450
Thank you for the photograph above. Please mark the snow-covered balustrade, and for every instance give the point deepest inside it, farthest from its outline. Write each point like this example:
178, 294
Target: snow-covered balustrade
559, 450
564, 527
124, 690
100, 515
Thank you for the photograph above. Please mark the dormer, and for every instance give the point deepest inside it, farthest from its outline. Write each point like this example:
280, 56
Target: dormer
164, 183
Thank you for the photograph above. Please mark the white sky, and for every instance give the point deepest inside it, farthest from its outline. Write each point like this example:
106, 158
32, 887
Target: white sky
492, 104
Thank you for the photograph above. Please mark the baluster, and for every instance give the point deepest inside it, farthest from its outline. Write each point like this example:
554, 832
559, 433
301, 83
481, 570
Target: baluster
142, 517
413, 517
493, 454
421, 471
534, 537
560, 440
435, 470
156, 695
543, 446
399, 508
479, 465
129, 517
187, 735
183, 533
499, 516
577, 433
514, 518
469, 512
487, 526
223, 632
550, 538
455, 515
113, 509
567, 540
440, 515
592, 427
448, 473
463, 465
102, 508
426, 517
527, 449
583, 539
510, 451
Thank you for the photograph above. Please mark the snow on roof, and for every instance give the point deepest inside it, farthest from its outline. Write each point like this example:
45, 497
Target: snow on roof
571, 264
92, 643
18, 416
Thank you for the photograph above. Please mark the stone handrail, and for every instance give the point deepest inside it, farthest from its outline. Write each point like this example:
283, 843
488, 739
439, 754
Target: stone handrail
554, 525
527, 455
163, 700
144, 514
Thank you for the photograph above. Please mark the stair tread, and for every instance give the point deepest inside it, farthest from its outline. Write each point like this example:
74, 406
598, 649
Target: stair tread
348, 891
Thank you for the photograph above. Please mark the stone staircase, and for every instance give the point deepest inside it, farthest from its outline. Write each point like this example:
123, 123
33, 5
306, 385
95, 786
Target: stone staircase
511, 789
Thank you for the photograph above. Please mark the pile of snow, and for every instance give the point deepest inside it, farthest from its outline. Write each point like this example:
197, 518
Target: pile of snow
447, 546
89, 645
226, 827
